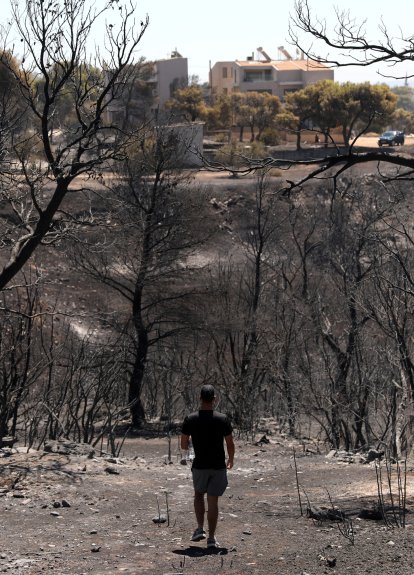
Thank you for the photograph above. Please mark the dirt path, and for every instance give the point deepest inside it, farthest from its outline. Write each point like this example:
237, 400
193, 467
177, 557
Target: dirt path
106, 524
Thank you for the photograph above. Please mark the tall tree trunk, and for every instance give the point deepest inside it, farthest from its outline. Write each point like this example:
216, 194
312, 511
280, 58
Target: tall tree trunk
140, 352
298, 138
135, 387
401, 406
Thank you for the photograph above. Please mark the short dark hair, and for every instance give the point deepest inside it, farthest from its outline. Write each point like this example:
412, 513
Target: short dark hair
207, 393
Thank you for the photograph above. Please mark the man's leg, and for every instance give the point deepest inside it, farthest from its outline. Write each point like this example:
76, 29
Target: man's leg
212, 514
199, 508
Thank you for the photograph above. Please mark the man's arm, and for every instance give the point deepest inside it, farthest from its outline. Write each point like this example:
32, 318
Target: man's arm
185, 442
230, 450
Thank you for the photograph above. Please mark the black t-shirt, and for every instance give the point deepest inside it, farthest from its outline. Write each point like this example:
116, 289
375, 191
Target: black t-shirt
207, 429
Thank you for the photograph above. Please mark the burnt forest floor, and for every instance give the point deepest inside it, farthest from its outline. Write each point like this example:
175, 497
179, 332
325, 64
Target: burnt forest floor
68, 513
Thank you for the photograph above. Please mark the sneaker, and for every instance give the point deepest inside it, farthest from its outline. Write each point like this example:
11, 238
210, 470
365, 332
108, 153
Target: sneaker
212, 543
198, 534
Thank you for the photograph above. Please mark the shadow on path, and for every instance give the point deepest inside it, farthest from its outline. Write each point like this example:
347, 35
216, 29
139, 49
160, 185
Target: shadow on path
193, 551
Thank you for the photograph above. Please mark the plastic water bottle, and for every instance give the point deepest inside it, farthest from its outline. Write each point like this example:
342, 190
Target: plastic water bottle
190, 452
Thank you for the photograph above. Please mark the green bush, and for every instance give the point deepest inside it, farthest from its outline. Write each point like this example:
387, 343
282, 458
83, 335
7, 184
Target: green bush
270, 137
235, 153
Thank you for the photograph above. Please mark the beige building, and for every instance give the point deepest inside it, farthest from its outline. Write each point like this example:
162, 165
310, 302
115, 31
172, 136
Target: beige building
277, 77
150, 85
168, 75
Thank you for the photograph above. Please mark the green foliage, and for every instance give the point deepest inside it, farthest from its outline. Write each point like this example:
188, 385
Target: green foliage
220, 114
12, 105
403, 120
405, 95
255, 110
236, 153
9, 72
287, 120
188, 102
353, 107
270, 137
366, 106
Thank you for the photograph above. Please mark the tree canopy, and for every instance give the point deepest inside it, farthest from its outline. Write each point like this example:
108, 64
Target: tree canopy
188, 102
346, 45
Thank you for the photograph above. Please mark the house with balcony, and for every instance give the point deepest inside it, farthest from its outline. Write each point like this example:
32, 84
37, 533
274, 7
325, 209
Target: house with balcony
262, 74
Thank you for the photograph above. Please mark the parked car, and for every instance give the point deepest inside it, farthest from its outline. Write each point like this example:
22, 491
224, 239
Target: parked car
391, 138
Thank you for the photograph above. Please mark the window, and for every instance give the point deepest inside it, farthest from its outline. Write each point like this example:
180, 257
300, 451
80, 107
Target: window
224, 72
258, 75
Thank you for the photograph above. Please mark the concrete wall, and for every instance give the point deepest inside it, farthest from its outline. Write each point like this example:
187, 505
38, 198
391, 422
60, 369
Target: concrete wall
188, 142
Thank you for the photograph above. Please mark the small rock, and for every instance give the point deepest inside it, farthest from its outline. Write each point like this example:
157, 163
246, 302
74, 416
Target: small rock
159, 519
55, 514
69, 448
6, 452
57, 504
7, 441
65, 503
111, 470
111, 459
262, 440
373, 454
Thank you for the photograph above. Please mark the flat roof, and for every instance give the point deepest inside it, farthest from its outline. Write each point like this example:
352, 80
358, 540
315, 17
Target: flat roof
283, 64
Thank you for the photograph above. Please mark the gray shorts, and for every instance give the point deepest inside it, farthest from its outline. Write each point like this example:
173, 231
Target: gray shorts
210, 481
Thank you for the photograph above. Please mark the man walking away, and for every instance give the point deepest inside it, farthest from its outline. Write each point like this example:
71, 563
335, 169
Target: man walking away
208, 429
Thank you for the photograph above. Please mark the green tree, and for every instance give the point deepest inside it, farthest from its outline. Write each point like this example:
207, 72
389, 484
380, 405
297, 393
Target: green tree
256, 110
265, 109
361, 106
313, 106
220, 113
188, 102
240, 112
13, 108
354, 107
405, 95
403, 120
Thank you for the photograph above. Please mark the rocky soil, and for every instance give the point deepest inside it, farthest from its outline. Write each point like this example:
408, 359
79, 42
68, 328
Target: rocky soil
71, 511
